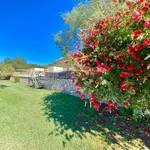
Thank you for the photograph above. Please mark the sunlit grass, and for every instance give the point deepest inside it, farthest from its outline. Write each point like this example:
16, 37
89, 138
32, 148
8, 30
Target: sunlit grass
32, 119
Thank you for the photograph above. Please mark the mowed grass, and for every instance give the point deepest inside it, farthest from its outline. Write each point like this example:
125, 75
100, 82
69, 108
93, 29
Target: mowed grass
38, 119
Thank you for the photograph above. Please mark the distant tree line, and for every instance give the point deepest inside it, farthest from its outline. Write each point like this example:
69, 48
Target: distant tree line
20, 63
9, 65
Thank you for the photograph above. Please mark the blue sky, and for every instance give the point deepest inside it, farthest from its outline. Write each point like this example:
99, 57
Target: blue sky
27, 28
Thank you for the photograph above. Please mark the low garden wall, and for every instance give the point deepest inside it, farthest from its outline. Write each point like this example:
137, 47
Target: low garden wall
24, 80
53, 81
62, 85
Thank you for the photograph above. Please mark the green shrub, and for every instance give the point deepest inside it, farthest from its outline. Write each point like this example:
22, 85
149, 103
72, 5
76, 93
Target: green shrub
17, 79
5, 71
113, 62
140, 115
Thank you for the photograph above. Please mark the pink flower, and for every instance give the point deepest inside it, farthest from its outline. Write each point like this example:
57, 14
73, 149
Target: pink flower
137, 16
78, 86
146, 42
147, 24
82, 96
116, 25
100, 69
139, 1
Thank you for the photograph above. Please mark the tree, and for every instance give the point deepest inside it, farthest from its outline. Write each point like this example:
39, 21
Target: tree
8, 61
6, 71
84, 13
20, 61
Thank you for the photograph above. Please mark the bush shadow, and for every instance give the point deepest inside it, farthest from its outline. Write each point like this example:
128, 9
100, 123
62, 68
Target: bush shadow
68, 113
3, 86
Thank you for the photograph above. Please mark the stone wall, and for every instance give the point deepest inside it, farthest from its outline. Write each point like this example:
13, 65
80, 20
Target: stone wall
57, 82
61, 85
24, 80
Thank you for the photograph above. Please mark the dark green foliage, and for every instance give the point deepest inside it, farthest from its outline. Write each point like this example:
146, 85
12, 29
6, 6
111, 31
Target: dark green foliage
128, 112
17, 79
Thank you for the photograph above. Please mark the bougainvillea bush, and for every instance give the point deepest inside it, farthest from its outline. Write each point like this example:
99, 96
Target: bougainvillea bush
113, 62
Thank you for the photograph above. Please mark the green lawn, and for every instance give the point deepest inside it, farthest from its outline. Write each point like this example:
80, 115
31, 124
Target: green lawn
32, 119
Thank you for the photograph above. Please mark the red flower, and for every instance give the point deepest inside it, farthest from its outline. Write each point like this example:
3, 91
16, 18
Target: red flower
95, 43
137, 16
146, 76
127, 23
145, 9
136, 56
130, 68
102, 68
87, 68
125, 74
99, 69
115, 105
146, 42
114, 1
78, 92
87, 58
138, 47
79, 59
86, 42
131, 49
82, 96
123, 86
147, 24
139, 72
116, 25
96, 105
130, 86
139, 1
110, 102
124, 66
136, 33
92, 97
78, 86
109, 109
95, 32
130, 4
126, 104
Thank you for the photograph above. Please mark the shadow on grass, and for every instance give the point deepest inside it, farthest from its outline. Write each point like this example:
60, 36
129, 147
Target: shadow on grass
68, 113
3, 86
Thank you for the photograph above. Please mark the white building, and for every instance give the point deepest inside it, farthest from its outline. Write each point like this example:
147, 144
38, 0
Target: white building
37, 71
54, 69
